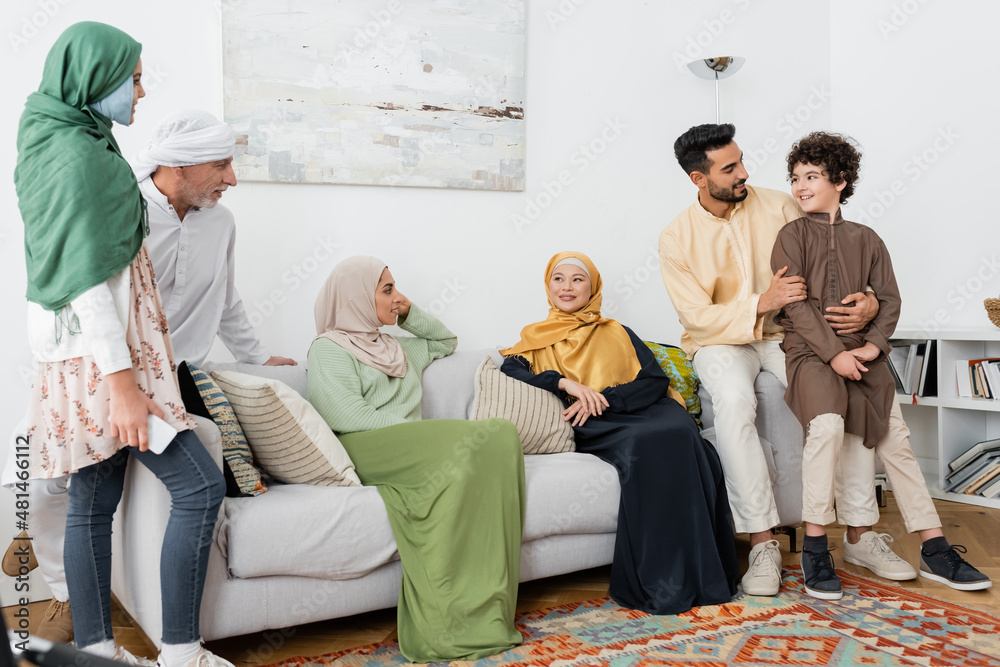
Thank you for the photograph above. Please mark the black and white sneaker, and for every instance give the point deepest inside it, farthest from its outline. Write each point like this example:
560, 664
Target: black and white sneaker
820, 579
951, 569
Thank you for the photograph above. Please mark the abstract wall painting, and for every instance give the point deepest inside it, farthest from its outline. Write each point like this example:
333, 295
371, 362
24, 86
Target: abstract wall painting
426, 93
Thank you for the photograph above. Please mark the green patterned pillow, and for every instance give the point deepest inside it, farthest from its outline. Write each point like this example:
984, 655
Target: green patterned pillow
235, 449
677, 366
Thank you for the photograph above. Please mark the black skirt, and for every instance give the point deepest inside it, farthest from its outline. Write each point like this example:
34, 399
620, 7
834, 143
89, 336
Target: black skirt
675, 547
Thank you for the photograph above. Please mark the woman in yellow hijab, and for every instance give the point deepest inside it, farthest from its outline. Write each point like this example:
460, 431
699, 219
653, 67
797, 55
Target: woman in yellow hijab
675, 547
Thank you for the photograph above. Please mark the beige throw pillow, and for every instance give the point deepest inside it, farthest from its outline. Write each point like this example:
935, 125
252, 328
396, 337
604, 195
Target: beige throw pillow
536, 413
289, 439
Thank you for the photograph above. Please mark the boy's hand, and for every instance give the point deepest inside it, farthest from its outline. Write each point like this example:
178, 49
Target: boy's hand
846, 365
782, 292
867, 352
849, 319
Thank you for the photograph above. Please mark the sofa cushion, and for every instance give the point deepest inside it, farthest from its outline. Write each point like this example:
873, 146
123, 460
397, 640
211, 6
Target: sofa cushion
534, 412
448, 385
326, 532
290, 440
344, 533
683, 378
235, 450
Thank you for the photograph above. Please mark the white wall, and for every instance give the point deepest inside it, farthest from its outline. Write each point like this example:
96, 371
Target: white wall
914, 85
605, 74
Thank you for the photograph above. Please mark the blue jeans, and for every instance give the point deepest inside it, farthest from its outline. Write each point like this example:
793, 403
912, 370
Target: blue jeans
196, 487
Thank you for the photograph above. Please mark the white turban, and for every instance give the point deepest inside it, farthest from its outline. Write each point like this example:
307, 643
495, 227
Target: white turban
183, 139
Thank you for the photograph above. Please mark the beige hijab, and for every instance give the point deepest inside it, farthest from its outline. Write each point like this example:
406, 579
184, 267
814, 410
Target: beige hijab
345, 313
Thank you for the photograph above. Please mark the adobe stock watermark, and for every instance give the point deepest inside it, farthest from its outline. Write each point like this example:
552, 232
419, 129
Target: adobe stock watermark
789, 125
633, 281
581, 159
899, 16
965, 292
294, 277
35, 21
449, 294
698, 44
562, 13
373, 33
913, 169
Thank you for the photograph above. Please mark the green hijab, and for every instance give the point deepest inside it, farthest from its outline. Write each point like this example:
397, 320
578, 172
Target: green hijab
82, 210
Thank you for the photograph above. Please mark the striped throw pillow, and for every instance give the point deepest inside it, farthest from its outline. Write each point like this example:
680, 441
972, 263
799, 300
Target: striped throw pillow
291, 442
535, 413
235, 451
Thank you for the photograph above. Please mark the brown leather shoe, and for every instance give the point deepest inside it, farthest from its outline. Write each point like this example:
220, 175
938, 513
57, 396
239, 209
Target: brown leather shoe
18, 555
57, 623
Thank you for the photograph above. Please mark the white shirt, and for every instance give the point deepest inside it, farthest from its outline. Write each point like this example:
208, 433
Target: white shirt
195, 272
92, 324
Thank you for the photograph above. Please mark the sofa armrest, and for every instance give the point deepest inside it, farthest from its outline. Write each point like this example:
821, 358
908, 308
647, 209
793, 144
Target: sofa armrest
211, 438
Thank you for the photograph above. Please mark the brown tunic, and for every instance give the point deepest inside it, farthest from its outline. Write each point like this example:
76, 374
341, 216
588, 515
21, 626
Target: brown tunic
836, 260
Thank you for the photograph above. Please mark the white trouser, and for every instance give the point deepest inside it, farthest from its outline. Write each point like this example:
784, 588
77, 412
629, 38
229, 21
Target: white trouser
47, 528
829, 449
48, 504
728, 373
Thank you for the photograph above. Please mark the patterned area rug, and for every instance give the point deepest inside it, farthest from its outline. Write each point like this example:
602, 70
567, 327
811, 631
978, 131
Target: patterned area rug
874, 624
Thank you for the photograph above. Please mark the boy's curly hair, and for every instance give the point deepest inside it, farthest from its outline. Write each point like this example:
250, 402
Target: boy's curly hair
837, 154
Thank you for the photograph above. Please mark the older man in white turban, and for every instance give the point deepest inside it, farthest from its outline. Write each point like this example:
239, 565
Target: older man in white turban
182, 174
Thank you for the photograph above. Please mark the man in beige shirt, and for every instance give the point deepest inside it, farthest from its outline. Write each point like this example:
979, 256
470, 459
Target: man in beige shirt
715, 259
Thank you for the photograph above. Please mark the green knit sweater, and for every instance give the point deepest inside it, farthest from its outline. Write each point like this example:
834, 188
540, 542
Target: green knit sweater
353, 397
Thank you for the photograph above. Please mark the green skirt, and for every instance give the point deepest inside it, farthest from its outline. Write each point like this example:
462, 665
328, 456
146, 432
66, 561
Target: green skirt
454, 491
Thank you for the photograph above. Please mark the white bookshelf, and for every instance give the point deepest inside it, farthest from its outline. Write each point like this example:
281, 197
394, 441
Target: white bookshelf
944, 426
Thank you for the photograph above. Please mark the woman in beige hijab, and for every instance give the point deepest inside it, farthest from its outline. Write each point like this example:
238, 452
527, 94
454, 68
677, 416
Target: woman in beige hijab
459, 539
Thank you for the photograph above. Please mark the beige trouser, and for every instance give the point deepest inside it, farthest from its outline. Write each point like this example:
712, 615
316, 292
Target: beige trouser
907, 482
827, 445
833, 460
728, 373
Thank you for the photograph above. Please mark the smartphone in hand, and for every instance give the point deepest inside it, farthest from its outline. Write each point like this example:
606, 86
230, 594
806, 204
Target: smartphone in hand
160, 434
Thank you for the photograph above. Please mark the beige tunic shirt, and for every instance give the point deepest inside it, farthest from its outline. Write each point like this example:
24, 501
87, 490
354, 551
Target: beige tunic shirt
836, 260
716, 269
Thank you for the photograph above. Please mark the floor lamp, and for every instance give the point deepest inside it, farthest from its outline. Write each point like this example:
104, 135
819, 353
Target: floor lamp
716, 69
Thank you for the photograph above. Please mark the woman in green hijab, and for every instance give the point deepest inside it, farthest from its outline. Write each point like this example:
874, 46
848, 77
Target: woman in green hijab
104, 362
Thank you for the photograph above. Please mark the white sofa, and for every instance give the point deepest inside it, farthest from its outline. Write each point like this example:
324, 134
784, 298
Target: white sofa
299, 554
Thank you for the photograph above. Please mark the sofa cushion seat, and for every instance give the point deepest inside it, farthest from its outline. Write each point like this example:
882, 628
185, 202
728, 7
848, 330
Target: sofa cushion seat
323, 532
569, 493
340, 533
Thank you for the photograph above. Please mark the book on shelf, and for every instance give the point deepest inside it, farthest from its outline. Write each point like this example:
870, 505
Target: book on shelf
963, 378
916, 368
897, 362
972, 452
985, 476
992, 489
992, 371
980, 372
928, 374
957, 480
913, 366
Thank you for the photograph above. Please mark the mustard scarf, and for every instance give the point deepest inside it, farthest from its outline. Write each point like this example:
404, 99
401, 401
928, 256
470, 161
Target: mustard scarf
581, 346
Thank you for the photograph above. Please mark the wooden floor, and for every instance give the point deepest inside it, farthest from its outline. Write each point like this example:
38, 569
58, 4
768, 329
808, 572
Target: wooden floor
975, 527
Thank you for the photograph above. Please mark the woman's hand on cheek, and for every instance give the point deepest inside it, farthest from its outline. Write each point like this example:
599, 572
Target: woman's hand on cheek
404, 307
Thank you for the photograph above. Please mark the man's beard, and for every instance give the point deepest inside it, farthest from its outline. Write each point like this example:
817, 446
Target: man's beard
727, 194
195, 198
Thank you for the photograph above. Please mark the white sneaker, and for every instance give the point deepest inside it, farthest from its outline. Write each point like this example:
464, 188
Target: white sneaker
121, 655
872, 551
205, 658
764, 574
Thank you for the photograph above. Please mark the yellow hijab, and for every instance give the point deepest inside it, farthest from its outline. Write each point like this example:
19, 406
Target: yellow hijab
582, 346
